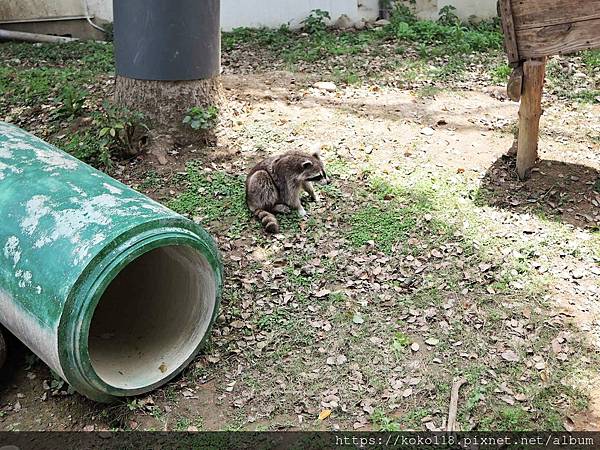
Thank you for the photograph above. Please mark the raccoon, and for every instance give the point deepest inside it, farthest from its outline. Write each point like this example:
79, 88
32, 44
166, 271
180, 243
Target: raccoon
275, 185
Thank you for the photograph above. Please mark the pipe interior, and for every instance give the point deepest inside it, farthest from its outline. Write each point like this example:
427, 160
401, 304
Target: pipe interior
152, 317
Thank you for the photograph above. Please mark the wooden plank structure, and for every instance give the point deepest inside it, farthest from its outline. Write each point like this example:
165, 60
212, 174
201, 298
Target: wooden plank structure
533, 31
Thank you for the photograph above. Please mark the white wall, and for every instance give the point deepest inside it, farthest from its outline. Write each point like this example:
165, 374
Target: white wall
274, 13
101, 9
264, 13
35, 9
482, 9
368, 9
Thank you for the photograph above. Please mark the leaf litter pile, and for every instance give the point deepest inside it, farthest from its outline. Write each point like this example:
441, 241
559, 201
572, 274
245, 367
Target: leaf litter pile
428, 289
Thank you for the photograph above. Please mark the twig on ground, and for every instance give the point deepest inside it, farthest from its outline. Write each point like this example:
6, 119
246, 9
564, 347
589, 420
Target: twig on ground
452, 425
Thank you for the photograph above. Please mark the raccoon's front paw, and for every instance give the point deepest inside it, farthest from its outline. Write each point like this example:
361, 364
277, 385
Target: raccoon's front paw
315, 198
281, 208
301, 212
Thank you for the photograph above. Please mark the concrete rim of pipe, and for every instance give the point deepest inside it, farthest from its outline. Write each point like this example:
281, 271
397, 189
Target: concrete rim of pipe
138, 321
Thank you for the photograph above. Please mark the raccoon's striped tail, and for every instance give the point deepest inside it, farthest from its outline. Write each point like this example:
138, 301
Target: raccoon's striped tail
268, 220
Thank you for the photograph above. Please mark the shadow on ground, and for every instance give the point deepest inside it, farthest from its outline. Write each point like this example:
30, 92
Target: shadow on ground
564, 192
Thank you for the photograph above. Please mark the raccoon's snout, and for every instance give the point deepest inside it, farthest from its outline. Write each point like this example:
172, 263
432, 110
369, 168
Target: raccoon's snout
322, 178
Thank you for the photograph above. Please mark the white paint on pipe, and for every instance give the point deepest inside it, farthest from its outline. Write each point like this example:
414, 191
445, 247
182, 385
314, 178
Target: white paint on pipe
112, 189
5, 169
54, 160
12, 250
35, 209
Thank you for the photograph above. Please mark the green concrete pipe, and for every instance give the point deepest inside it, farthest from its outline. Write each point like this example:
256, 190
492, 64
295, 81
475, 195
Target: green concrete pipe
112, 290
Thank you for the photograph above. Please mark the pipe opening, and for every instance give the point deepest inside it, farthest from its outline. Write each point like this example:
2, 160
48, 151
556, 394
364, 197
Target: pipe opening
152, 317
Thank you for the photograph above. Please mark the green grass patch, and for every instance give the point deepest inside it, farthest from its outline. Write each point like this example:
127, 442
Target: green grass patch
382, 225
392, 213
434, 39
95, 56
591, 59
37, 74
213, 197
501, 73
30, 87
382, 422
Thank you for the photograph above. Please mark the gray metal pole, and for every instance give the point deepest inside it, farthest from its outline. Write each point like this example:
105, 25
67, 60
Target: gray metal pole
167, 40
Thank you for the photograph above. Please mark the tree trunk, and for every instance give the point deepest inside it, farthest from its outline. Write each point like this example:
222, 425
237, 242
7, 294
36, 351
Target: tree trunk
166, 103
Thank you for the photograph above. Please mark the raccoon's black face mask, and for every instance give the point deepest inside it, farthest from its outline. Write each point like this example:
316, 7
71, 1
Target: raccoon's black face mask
314, 170
320, 178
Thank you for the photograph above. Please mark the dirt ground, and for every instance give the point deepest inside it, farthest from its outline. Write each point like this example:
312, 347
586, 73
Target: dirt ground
495, 279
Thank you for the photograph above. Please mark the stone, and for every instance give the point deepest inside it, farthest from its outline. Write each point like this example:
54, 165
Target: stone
382, 23
343, 23
325, 86
360, 25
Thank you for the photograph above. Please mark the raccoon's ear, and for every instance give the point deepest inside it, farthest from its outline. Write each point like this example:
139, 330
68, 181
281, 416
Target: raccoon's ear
307, 164
317, 154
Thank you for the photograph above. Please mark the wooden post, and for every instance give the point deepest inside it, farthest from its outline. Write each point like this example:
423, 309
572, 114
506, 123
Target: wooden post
515, 84
534, 71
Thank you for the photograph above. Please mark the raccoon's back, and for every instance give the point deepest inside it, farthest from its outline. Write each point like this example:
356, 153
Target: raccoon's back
265, 164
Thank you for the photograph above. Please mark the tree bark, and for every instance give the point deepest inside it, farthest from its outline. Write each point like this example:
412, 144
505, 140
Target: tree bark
530, 113
166, 103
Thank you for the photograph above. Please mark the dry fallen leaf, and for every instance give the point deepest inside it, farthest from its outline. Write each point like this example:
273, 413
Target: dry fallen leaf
507, 399
511, 356
431, 426
437, 254
322, 293
324, 414
569, 424
556, 347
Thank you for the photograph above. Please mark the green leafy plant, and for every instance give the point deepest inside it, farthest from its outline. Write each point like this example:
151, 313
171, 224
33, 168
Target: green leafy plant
402, 14
119, 131
400, 341
501, 73
448, 16
202, 118
316, 23
447, 36
384, 423
71, 101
